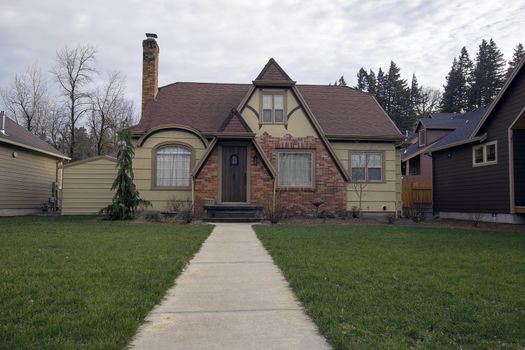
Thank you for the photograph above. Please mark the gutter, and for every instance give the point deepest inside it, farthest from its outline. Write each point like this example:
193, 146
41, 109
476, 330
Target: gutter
21, 145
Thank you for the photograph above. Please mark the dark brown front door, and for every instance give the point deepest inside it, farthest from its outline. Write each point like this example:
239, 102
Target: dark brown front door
234, 173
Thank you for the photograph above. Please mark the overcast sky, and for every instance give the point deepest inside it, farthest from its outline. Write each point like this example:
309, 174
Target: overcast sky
230, 41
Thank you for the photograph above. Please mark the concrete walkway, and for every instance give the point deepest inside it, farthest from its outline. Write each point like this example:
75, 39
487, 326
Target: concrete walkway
231, 296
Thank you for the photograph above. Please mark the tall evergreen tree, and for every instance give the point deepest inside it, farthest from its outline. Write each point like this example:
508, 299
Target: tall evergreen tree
416, 99
488, 75
381, 88
398, 98
362, 80
372, 82
456, 90
519, 54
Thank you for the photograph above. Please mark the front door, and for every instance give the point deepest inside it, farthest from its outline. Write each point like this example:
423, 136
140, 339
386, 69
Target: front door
234, 173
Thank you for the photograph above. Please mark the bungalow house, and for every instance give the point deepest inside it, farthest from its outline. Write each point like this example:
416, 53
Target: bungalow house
29, 170
478, 170
416, 163
269, 143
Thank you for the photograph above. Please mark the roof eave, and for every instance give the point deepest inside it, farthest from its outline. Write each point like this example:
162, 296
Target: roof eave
274, 83
350, 137
35, 149
480, 138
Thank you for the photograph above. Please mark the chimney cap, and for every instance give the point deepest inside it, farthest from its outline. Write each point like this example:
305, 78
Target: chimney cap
151, 36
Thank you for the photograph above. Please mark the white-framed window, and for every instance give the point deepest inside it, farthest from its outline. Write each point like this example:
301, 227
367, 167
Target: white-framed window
422, 137
485, 154
366, 166
295, 169
272, 108
172, 168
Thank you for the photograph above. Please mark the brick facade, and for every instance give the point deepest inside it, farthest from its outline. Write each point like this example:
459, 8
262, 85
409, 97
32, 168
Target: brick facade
329, 183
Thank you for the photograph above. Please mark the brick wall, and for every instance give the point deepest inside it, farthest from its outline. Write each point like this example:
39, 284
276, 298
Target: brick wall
329, 183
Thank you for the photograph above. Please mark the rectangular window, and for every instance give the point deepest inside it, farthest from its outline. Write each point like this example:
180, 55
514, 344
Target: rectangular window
295, 169
414, 165
485, 154
421, 137
366, 166
273, 108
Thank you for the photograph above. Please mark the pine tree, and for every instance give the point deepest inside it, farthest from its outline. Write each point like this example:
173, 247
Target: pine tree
381, 88
126, 199
398, 98
456, 90
488, 75
372, 82
416, 100
342, 81
519, 54
362, 80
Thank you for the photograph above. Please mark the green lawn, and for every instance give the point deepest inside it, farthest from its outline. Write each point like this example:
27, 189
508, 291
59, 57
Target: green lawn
85, 283
388, 287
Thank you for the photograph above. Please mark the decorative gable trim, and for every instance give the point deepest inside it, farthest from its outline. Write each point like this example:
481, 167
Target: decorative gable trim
144, 136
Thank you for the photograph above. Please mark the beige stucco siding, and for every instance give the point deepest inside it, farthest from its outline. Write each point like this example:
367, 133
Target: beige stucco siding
86, 186
25, 181
375, 195
143, 166
298, 124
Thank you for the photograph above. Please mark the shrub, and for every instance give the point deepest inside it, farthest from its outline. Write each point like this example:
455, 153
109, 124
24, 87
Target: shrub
152, 216
183, 210
274, 211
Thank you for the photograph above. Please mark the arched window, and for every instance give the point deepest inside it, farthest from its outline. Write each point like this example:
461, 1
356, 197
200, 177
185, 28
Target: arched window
173, 166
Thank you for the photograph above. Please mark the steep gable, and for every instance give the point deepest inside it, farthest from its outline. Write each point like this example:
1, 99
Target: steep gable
235, 123
272, 71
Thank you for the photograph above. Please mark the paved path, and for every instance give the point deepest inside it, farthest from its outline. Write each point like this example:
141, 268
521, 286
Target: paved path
231, 296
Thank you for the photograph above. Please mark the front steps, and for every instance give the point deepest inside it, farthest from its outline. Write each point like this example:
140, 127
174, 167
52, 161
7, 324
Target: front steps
232, 213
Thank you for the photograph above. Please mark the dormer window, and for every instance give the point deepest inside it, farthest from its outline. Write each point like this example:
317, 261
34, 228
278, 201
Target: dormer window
272, 108
422, 137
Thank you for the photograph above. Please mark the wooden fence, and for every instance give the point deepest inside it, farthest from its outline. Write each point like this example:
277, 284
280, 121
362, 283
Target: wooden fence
417, 194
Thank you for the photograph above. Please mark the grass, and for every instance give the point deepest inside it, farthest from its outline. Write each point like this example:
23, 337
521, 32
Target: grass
388, 287
85, 283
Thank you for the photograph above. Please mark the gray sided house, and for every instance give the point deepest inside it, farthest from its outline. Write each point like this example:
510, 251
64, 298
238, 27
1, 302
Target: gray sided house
479, 169
29, 170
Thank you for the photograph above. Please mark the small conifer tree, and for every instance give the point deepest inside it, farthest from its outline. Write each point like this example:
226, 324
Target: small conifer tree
126, 199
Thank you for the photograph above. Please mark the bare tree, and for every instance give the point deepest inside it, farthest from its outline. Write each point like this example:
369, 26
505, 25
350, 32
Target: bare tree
430, 99
74, 71
110, 112
26, 99
55, 127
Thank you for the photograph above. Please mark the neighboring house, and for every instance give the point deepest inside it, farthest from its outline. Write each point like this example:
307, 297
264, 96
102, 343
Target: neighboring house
29, 170
268, 143
416, 166
479, 169
86, 185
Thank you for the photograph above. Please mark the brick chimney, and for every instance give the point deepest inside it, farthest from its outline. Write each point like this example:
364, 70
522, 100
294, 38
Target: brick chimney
150, 68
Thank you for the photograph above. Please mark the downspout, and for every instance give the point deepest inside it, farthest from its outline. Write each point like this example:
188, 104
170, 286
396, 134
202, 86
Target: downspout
274, 191
193, 194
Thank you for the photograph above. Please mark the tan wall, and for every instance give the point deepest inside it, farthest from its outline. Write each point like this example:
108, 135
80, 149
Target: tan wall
25, 181
298, 123
86, 186
143, 167
375, 195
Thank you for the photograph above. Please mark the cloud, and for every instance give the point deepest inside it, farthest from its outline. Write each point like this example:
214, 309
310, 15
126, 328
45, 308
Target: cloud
230, 41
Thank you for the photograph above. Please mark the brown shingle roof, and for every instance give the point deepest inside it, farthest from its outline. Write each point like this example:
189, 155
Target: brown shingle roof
15, 134
205, 107
345, 111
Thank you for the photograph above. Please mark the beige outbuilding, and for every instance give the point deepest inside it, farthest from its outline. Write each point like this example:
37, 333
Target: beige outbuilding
87, 185
30, 173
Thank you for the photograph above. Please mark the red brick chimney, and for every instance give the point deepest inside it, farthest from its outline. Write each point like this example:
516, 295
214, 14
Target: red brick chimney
150, 68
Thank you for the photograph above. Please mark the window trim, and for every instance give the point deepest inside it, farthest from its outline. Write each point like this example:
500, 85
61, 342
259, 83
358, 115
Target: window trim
484, 147
424, 133
154, 150
413, 160
296, 150
383, 164
272, 93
